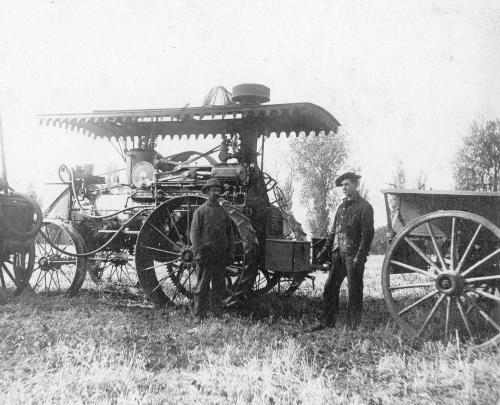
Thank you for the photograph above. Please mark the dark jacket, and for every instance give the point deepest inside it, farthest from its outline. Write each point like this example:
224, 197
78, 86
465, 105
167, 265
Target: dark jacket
211, 231
354, 220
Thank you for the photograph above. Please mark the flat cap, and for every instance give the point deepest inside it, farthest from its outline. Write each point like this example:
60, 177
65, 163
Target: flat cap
347, 175
210, 183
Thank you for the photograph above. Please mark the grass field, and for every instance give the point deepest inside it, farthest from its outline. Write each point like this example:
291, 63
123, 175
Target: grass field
112, 347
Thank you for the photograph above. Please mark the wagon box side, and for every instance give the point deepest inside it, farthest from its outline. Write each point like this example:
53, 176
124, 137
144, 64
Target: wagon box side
403, 206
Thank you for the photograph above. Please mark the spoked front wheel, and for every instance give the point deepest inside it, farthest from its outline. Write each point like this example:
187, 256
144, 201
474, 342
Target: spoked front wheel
441, 278
55, 271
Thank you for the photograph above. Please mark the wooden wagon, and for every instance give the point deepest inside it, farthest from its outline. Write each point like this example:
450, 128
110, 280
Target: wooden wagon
441, 274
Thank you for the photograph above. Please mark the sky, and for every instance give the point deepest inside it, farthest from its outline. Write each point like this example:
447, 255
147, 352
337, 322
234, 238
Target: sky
404, 78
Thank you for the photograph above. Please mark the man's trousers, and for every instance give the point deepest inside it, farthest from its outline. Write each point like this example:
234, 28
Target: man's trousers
342, 266
209, 272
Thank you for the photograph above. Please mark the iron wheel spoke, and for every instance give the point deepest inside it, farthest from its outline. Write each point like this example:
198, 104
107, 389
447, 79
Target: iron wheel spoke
165, 236
469, 247
2, 279
39, 278
58, 235
58, 282
161, 281
464, 318
9, 274
483, 293
160, 250
481, 262
414, 269
419, 301
447, 320
182, 284
452, 247
159, 264
401, 287
64, 274
482, 312
174, 225
51, 278
420, 253
486, 278
188, 227
436, 247
431, 314
42, 247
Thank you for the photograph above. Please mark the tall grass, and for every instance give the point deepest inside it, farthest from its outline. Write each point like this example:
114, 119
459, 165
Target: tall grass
103, 347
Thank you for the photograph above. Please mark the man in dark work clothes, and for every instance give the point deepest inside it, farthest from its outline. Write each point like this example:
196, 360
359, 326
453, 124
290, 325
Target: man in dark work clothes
212, 241
349, 243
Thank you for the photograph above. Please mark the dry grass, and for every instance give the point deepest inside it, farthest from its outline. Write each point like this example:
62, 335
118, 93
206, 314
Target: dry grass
108, 347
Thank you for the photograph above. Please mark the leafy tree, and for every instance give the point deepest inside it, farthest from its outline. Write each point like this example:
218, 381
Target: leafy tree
421, 180
318, 162
288, 190
286, 185
477, 164
399, 176
380, 243
362, 189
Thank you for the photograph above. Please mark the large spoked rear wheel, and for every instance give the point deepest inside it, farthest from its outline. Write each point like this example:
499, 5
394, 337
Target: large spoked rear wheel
165, 259
441, 278
57, 272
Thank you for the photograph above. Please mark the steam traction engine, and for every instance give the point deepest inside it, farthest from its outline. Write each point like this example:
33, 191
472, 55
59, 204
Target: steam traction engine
149, 215
20, 221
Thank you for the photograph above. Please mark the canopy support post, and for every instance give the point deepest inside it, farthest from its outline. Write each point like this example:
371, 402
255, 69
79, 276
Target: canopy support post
4, 163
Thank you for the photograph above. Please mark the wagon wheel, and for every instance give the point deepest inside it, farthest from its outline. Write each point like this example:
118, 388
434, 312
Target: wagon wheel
165, 259
16, 269
114, 267
441, 277
55, 272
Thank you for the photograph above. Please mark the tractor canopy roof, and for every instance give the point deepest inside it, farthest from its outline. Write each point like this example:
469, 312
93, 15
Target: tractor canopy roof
287, 119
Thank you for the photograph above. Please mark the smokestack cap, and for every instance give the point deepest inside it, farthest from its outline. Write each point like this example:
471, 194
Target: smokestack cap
251, 93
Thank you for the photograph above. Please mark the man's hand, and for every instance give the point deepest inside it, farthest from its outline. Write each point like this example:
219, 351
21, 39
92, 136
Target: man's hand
357, 262
322, 255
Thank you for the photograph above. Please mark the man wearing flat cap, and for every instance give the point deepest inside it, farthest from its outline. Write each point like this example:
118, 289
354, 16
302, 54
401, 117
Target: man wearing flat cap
212, 241
348, 243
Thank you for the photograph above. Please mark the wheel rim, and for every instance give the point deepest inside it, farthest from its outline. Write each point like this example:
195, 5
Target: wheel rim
55, 272
441, 278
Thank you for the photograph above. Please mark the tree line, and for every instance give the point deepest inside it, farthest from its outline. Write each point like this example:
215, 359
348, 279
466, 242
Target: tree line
317, 162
